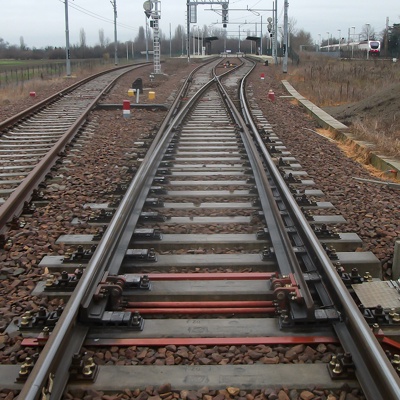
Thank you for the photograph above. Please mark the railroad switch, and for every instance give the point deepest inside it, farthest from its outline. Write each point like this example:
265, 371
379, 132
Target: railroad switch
82, 368
81, 255
285, 289
151, 216
128, 281
39, 319
141, 254
149, 234
65, 282
341, 366
104, 217
106, 308
154, 202
96, 315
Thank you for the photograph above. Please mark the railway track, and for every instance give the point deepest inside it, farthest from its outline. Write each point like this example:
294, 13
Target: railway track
32, 141
208, 248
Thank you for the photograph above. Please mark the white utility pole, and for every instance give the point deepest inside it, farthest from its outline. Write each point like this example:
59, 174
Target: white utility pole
147, 39
276, 33
170, 41
67, 52
285, 37
114, 4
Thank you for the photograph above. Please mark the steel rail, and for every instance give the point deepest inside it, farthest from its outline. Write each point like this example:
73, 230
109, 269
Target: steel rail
281, 243
111, 250
110, 246
51, 358
51, 99
15, 202
376, 375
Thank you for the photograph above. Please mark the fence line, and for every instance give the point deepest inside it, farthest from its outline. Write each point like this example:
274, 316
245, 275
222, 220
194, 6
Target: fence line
19, 75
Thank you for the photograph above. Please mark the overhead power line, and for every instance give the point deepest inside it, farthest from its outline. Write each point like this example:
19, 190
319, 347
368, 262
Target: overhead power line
97, 16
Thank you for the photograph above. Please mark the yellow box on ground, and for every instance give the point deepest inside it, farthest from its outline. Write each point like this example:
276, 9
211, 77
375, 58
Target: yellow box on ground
152, 95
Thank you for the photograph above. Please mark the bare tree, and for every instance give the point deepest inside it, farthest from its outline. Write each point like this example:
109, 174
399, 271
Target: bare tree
368, 32
22, 45
101, 38
82, 38
301, 38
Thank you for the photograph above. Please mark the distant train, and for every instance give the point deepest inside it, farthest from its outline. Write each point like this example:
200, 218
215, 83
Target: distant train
364, 46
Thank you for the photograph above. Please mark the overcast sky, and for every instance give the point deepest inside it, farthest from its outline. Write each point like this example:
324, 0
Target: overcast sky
42, 22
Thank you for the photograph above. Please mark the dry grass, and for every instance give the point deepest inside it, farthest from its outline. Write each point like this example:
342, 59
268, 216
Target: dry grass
383, 134
359, 154
16, 92
331, 82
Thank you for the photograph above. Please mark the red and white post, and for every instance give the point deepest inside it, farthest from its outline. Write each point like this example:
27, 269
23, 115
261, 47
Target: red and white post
126, 108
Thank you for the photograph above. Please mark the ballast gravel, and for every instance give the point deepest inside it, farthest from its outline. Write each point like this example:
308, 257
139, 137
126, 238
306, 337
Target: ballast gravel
372, 212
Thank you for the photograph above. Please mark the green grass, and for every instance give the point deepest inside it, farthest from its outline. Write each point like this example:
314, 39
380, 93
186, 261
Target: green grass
27, 63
